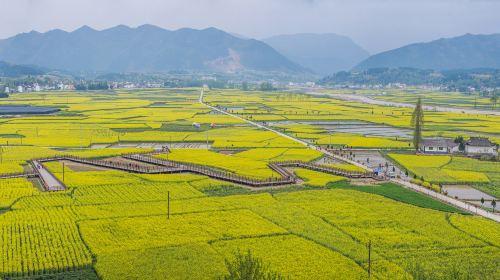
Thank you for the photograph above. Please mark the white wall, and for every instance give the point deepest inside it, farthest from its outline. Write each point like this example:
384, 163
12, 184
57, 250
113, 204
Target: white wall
481, 150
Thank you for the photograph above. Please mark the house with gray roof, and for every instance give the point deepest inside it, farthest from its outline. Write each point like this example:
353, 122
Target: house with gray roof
480, 146
438, 146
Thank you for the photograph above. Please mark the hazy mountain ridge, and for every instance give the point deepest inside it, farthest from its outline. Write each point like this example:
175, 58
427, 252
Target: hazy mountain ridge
460, 80
322, 53
14, 70
146, 48
463, 52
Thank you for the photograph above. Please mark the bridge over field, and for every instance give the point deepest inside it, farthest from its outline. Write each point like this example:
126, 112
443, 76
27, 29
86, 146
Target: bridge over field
147, 164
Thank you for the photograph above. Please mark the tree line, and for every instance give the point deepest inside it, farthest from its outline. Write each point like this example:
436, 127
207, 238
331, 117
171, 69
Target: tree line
454, 80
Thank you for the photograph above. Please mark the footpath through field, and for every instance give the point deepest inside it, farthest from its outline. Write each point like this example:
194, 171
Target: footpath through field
417, 188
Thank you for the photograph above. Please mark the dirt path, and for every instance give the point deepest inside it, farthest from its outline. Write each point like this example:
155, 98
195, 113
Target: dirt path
368, 100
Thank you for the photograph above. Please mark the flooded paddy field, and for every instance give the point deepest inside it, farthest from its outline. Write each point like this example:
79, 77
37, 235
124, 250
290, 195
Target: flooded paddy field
469, 194
13, 109
156, 146
328, 160
355, 127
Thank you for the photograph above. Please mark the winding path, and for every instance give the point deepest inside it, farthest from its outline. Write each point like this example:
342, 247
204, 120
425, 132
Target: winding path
455, 202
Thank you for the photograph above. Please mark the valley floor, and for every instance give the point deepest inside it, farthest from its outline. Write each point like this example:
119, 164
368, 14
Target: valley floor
111, 224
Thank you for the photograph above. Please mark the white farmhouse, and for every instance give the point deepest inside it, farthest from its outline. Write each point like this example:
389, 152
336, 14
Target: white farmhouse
480, 146
439, 146
19, 88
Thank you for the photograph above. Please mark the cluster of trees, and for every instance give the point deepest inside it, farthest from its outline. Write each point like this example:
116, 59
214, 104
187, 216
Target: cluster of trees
2, 92
456, 80
196, 83
92, 85
14, 70
249, 267
266, 86
461, 143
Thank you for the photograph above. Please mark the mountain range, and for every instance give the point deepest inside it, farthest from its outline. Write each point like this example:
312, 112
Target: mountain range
323, 53
463, 52
151, 49
146, 48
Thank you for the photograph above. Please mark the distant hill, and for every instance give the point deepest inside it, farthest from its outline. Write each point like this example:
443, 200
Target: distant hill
460, 80
464, 52
143, 49
14, 70
322, 53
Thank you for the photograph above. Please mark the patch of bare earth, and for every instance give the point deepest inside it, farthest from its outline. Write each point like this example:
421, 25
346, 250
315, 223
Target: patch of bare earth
364, 182
80, 167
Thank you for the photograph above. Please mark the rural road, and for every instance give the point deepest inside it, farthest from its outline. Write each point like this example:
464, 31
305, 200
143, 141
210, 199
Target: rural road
283, 134
51, 182
368, 100
417, 188
463, 205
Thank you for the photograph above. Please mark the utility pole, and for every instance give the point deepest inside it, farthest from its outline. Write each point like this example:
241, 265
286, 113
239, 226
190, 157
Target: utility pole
168, 205
207, 139
369, 258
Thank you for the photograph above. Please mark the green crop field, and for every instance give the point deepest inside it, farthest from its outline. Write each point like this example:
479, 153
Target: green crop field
112, 224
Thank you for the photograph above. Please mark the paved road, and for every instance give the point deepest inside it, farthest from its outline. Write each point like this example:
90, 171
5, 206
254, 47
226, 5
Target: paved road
50, 182
461, 204
446, 199
365, 99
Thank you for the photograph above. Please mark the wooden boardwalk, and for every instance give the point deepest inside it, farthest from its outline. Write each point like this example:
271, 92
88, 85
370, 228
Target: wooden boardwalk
18, 175
161, 166
128, 167
287, 177
50, 182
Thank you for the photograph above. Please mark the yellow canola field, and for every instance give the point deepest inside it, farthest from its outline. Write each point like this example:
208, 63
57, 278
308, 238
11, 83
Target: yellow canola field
318, 179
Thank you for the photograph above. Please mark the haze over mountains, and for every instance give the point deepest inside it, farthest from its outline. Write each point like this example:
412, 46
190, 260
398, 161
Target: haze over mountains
463, 52
323, 53
149, 49
146, 48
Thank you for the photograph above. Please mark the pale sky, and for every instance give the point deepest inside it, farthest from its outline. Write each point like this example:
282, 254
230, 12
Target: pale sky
376, 25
